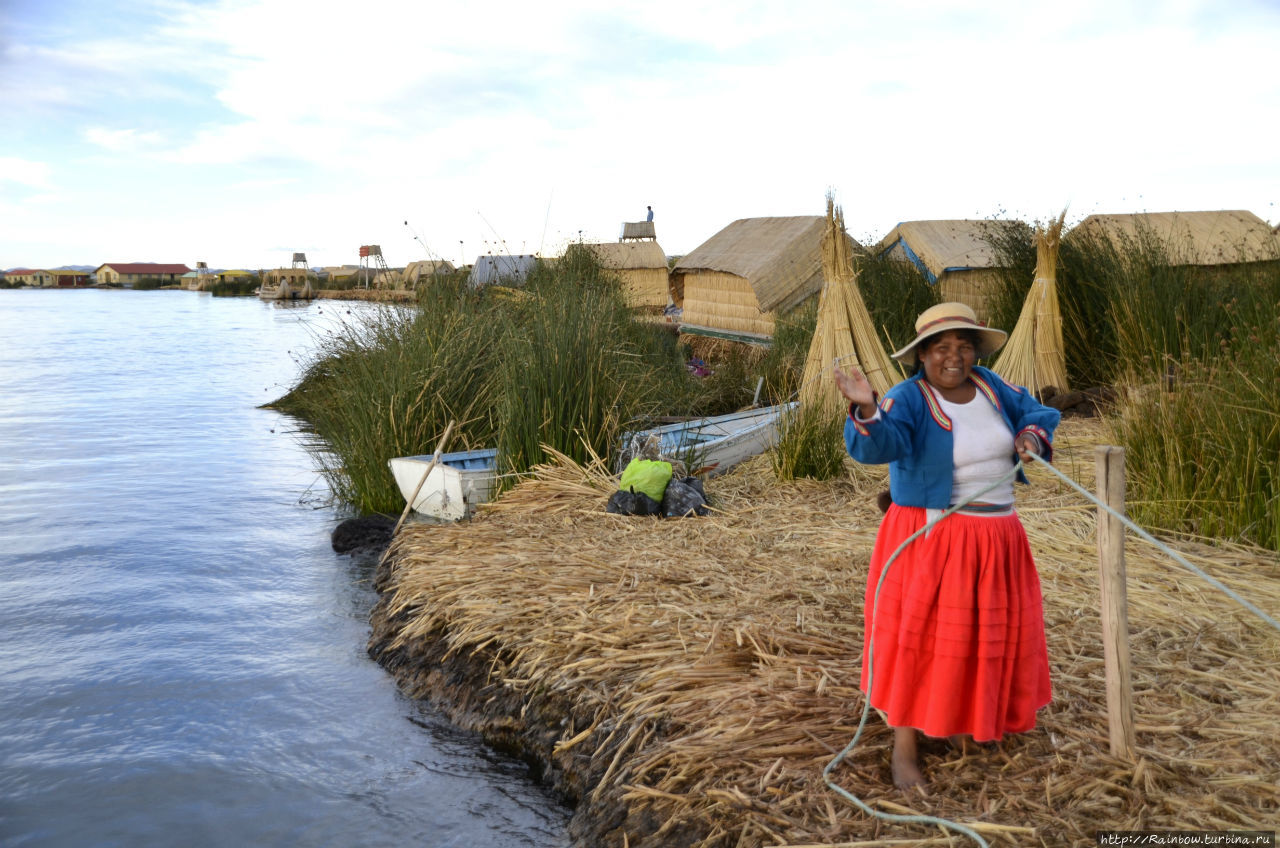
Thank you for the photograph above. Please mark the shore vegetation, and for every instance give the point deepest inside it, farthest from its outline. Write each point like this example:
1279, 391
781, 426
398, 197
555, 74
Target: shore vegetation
558, 362
1192, 351
235, 288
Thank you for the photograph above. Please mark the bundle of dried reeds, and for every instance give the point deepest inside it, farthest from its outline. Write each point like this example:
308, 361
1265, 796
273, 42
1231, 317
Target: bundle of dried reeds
716, 350
1034, 356
690, 678
845, 332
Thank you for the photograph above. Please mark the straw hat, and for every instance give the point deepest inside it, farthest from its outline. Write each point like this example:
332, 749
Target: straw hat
952, 316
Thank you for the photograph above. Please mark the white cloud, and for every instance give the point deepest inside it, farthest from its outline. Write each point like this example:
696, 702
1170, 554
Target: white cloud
25, 172
123, 141
528, 122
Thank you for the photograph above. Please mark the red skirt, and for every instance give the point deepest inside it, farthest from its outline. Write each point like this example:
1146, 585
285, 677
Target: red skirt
959, 627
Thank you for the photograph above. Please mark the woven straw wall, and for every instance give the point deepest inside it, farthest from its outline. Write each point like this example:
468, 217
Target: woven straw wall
720, 301
779, 256
973, 288
644, 286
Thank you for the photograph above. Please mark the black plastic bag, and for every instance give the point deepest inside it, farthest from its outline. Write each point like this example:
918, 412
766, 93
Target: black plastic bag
632, 503
684, 498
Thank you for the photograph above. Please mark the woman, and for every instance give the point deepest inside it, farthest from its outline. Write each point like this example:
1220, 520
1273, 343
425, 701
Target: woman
959, 645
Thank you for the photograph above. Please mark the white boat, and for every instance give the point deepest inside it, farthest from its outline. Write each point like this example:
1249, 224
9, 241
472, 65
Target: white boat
453, 488
717, 444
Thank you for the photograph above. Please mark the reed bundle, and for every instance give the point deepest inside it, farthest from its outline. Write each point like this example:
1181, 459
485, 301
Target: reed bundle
697, 674
845, 332
1034, 356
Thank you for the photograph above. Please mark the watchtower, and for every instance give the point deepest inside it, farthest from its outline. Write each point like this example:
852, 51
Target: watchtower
371, 253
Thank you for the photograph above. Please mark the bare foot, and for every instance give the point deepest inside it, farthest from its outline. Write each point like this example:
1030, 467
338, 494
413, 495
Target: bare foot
963, 743
906, 761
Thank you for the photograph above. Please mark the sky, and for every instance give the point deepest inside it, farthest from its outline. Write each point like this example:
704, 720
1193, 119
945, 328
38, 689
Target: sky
237, 132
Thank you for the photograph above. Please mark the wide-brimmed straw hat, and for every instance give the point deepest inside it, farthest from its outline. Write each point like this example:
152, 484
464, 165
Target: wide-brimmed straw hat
952, 316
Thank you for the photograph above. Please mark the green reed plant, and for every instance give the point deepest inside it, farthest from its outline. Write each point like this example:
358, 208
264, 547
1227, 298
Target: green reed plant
783, 365
1130, 300
1201, 454
242, 288
810, 444
388, 385
1195, 352
895, 293
575, 368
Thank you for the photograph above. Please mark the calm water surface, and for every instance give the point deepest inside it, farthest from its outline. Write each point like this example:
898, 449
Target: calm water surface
182, 655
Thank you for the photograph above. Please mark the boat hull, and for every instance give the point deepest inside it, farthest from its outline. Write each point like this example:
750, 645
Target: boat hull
720, 442
453, 488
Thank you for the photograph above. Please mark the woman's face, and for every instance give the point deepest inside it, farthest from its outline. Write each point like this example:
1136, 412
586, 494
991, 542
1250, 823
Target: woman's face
947, 359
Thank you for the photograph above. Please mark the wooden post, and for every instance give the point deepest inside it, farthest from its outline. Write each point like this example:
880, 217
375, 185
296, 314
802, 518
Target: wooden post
1115, 614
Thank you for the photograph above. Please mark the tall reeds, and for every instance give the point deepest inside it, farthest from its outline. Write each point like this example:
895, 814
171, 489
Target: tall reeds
388, 385
1203, 449
810, 444
559, 362
895, 292
575, 367
1193, 351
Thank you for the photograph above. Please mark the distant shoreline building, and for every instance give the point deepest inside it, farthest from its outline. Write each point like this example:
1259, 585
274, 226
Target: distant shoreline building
128, 273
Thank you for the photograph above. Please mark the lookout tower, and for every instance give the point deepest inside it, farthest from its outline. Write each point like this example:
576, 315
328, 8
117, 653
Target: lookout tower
371, 253
300, 260
637, 231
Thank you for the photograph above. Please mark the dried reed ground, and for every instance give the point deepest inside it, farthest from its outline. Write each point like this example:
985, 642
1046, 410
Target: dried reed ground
705, 670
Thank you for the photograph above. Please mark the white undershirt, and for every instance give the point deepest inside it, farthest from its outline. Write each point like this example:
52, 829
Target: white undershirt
982, 450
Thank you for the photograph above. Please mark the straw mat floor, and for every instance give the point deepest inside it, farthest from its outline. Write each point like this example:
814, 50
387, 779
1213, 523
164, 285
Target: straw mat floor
686, 680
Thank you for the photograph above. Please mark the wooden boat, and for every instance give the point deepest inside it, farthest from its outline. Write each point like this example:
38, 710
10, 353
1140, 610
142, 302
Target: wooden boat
718, 443
453, 488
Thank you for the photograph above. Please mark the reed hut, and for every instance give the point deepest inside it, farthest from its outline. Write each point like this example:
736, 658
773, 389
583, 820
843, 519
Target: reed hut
735, 284
414, 272
1227, 237
640, 265
957, 256
507, 270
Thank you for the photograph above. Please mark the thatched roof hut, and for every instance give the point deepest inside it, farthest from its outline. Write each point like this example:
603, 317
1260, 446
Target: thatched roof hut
642, 267
1227, 237
409, 276
510, 270
955, 255
735, 284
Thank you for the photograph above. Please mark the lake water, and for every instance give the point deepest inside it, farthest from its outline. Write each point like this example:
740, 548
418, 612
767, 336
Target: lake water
182, 654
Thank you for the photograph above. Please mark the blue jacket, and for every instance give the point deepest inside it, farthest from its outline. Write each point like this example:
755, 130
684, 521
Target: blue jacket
913, 435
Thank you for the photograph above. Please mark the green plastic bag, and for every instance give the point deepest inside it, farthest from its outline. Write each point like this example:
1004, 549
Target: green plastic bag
646, 475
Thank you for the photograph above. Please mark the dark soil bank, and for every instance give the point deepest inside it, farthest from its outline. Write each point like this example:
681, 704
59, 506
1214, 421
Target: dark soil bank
470, 690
